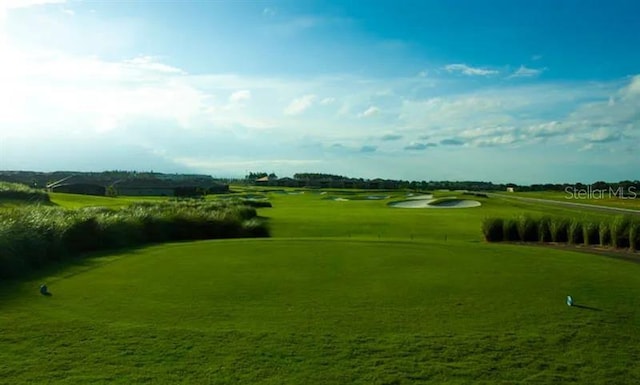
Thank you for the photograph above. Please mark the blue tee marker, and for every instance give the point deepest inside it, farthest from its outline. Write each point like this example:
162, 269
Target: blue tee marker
569, 301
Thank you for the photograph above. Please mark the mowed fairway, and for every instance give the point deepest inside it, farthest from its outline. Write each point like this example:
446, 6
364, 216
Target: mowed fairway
345, 292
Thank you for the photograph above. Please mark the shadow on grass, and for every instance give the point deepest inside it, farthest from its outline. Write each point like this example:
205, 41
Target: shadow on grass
586, 307
64, 269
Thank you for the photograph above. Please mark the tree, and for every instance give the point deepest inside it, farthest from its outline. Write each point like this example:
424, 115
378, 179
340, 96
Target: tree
256, 175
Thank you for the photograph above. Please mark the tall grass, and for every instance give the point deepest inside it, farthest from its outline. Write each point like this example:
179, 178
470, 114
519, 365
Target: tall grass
527, 229
575, 232
510, 229
492, 229
558, 227
634, 235
590, 234
619, 232
544, 229
32, 236
604, 234
20, 192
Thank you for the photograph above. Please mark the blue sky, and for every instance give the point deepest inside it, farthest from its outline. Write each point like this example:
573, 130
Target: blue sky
507, 91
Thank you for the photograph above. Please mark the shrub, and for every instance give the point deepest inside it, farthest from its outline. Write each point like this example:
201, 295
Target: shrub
255, 228
492, 229
256, 203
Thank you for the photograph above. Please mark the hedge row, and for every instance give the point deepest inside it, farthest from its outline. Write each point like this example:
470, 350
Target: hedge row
619, 232
33, 236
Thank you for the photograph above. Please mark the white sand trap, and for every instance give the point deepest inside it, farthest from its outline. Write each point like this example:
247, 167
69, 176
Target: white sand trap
423, 197
411, 204
449, 203
378, 197
455, 204
323, 193
340, 199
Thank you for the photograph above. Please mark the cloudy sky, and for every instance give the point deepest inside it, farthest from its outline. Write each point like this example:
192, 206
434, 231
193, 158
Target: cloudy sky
503, 91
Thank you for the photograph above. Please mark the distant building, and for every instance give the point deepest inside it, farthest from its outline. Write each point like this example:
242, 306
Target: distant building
510, 189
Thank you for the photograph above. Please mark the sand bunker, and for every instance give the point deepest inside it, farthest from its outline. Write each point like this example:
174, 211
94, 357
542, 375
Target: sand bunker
456, 204
378, 197
440, 203
340, 199
423, 196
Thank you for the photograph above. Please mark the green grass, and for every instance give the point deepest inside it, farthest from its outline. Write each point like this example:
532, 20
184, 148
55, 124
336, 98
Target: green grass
346, 292
74, 201
336, 311
633, 202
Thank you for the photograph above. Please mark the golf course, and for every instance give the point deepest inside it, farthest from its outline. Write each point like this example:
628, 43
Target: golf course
351, 287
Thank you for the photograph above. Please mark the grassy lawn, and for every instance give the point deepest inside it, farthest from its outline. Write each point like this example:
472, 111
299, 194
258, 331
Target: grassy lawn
74, 201
628, 203
345, 292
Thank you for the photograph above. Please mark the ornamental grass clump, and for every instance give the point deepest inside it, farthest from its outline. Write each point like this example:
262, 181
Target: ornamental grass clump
492, 229
32, 236
558, 227
590, 234
575, 232
620, 231
527, 228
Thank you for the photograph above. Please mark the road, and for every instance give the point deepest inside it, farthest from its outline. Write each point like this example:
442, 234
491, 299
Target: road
564, 203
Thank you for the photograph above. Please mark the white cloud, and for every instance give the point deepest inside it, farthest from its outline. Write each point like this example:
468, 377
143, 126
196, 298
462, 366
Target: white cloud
633, 89
7, 5
240, 96
269, 12
524, 72
299, 105
49, 94
69, 12
225, 164
495, 140
10, 4
469, 71
152, 64
369, 112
